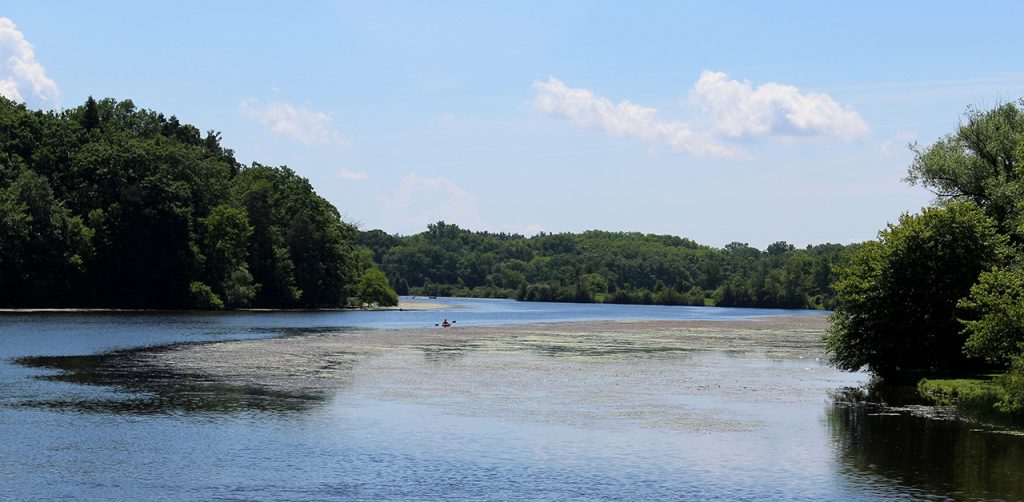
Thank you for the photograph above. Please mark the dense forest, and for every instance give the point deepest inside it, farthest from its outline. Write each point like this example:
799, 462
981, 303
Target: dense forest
107, 205
941, 293
609, 267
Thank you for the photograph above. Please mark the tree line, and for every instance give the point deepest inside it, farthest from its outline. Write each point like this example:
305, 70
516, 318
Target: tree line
942, 292
604, 267
107, 205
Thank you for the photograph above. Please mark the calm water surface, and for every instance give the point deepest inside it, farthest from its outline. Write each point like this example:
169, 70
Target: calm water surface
79, 420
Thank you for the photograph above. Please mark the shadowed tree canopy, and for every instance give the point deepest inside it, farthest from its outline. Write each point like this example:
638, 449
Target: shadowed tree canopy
108, 205
898, 296
994, 315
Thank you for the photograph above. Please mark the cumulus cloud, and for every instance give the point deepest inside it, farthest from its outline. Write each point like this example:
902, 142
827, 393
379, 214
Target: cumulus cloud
345, 174
623, 119
298, 123
737, 109
728, 109
22, 78
419, 200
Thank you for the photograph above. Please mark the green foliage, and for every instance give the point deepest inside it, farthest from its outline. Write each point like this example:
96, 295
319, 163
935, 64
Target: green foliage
300, 251
373, 289
223, 239
91, 115
202, 297
969, 392
898, 295
612, 267
239, 289
979, 163
995, 398
42, 246
993, 315
107, 205
1013, 386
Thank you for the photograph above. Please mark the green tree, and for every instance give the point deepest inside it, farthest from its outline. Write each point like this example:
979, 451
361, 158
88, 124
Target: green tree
373, 289
301, 252
993, 316
238, 288
91, 115
897, 296
979, 163
42, 246
202, 297
224, 238
108, 205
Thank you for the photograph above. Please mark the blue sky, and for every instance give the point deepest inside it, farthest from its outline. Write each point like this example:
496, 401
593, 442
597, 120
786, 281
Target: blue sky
717, 121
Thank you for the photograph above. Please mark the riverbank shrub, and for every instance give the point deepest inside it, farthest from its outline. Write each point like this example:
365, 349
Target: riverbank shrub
1013, 385
203, 297
897, 296
990, 398
993, 316
372, 289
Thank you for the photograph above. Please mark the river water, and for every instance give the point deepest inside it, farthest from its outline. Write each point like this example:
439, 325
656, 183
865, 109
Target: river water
81, 417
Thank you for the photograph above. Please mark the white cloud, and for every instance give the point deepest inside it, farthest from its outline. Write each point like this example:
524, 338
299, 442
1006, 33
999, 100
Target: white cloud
420, 200
22, 78
345, 174
737, 109
732, 110
301, 124
624, 119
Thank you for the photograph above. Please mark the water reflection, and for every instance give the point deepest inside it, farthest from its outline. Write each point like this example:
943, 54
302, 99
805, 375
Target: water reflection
932, 453
143, 388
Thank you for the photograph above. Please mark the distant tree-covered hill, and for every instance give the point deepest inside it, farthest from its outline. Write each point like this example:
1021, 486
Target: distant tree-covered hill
612, 267
108, 205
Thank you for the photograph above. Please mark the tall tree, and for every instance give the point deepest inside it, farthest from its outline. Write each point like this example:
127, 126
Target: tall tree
980, 162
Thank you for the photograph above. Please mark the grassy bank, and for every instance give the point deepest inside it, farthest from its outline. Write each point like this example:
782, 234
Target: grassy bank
986, 397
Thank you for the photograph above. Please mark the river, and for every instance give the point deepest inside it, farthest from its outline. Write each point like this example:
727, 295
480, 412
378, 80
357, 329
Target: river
116, 406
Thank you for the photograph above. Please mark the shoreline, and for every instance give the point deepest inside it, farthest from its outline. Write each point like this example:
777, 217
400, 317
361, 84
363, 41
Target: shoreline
79, 310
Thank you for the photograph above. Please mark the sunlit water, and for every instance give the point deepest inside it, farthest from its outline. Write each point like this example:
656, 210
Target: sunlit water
79, 421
